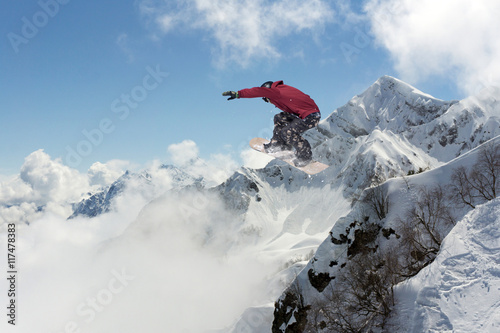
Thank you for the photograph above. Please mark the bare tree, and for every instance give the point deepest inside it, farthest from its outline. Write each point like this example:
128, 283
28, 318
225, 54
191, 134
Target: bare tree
486, 173
377, 198
482, 183
424, 228
360, 297
461, 188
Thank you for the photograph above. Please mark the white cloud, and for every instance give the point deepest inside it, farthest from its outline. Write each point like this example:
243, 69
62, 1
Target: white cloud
104, 174
243, 30
456, 39
172, 271
214, 170
183, 153
169, 249
42, 182
51, 180
45, 185
14, 191
24, 212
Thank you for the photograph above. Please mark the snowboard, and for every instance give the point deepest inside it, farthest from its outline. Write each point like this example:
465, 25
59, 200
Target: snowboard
287, 156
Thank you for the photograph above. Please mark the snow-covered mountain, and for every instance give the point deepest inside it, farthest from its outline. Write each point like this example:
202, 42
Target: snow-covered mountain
418, 307
308, 227
101, 201
377, 137
395, 128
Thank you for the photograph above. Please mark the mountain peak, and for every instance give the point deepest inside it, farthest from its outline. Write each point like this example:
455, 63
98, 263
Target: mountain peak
387, 80
390, 104
388, 85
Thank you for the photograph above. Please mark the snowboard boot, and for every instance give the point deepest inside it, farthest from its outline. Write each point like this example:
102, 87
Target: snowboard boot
275, 147
303, 157
300, 162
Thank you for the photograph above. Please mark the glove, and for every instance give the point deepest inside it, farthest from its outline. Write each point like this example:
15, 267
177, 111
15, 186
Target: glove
232, 94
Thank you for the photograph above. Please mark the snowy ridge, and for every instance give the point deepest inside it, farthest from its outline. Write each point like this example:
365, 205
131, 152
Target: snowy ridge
369, 134
388, 104
382, 153
464, 126
443, 130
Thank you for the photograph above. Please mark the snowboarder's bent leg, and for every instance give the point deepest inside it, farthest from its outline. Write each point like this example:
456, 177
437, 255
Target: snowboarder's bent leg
292, 134
281, 121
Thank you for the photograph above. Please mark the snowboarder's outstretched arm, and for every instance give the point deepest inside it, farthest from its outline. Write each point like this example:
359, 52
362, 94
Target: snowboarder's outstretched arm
231, 94
272, 94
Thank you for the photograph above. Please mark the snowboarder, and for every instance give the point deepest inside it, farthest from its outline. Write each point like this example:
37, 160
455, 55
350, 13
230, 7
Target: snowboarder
300, 113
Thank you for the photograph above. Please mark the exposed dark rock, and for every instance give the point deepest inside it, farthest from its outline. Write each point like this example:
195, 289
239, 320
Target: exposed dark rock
319, 281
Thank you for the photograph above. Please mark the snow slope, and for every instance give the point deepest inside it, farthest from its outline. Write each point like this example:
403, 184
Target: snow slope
388, 130
435, 299
460, 290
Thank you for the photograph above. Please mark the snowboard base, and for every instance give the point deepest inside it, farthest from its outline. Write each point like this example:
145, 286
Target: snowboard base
287, 156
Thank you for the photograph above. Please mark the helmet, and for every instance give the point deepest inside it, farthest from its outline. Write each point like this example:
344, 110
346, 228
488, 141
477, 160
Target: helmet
266, 84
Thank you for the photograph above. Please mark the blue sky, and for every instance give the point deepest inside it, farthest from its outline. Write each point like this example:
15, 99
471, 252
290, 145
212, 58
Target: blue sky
92, 81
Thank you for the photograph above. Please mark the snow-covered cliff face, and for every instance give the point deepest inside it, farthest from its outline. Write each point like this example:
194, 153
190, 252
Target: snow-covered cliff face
462, 127
100, 202
444, 296
375, 136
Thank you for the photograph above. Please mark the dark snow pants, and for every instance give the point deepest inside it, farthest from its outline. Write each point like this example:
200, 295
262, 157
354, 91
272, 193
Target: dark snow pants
288, 130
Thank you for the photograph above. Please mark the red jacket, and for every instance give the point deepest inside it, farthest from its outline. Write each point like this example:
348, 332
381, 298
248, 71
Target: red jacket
285, 98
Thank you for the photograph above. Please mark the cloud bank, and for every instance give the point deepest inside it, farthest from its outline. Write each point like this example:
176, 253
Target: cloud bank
455, 39
243, 31
162, 271
158, 261
46, 185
